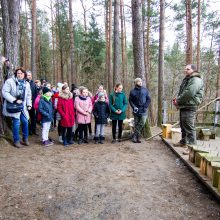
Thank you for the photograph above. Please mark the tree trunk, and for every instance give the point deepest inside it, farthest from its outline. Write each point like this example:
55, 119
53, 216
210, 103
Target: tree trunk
110, 75
72, 65
116, 60
14, 9
6, 29
218, 76
189, 48
53, 45
161, 65
33, 38
106, 45
138, 48
198, 35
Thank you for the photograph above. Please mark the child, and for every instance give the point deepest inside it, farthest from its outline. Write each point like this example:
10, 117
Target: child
101, 112
65, 107
46, 110
83, 106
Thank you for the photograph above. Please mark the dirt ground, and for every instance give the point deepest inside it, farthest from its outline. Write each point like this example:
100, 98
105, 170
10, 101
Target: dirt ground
111, 181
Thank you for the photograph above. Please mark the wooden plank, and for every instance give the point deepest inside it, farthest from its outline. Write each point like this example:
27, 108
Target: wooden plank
204, 179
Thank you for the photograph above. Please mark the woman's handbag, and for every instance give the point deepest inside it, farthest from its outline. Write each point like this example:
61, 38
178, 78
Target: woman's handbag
14, 107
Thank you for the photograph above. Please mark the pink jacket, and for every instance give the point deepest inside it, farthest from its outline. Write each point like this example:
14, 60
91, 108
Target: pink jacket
82, 106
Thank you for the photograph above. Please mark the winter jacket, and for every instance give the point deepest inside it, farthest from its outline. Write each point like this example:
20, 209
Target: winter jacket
34, 91
139, 98
46, 109
83, 105
65, 107
118, 101
191, 92
101, 112
10, 92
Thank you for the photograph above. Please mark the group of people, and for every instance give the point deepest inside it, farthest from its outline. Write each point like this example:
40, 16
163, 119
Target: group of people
71, 108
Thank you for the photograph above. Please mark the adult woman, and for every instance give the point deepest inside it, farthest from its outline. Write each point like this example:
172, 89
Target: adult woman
118, 105
17, 90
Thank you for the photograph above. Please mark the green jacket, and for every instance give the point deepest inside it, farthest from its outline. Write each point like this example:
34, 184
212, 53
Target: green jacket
191, 92
118, 101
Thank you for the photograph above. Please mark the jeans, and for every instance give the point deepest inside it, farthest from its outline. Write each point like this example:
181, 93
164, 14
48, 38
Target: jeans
139, 122
100, 130
16, 127
83, 131
187, 124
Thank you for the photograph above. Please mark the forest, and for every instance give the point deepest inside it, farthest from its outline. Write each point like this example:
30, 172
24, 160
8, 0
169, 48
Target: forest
88, 42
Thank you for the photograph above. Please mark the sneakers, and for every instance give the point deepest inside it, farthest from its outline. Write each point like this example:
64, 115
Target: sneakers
119, 140
179, 144
47, 143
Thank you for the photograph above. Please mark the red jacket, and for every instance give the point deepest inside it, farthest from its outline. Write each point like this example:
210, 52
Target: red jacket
65, 107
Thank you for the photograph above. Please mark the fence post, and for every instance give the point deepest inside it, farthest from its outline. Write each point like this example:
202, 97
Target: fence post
216, 111
164, 111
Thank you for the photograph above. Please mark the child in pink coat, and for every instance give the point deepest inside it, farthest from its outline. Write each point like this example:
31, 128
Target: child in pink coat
83, 106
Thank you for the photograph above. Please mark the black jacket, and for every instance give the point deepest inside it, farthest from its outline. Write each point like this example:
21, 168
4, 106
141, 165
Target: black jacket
34, 90
101, 112
139, 97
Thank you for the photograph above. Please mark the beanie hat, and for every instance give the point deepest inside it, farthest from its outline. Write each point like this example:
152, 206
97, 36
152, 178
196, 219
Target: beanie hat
101, 94
45, 90
137, 80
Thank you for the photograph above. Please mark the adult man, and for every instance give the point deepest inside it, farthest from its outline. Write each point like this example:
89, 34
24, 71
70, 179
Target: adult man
189, 98
32, 112
139, 100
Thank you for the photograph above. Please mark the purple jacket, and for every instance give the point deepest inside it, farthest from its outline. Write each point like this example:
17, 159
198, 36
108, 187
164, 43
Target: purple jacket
83, 106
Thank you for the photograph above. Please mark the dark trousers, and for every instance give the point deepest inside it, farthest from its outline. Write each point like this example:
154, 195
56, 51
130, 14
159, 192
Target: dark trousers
114, 126
67, 133
90, 128
33, 120
83, 131
59, 129
187, 124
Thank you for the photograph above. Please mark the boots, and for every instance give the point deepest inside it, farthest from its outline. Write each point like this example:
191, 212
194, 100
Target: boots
138, 139
101, 140
17, 144
96, 140
134, 138
60, 139
25, 142
65, 143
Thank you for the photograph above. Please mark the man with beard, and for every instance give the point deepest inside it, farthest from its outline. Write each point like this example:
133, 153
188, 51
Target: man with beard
139, 100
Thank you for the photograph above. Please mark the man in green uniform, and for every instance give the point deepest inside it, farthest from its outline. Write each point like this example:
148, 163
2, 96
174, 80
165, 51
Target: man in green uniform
189, 98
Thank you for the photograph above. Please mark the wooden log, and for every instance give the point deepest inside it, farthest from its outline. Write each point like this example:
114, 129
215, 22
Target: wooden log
205, 161
218, 172
198, 157
215, 167
193, 149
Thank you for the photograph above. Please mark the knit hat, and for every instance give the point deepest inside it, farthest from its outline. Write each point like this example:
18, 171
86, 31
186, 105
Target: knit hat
137, 80
101, 94
45, 90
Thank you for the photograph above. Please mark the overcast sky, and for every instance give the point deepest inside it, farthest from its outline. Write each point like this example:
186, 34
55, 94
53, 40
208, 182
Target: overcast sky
77, 14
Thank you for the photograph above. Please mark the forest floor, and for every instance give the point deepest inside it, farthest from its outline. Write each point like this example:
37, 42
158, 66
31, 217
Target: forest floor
92, 181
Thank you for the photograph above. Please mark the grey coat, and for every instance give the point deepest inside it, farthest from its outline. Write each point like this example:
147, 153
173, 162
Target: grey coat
9, 93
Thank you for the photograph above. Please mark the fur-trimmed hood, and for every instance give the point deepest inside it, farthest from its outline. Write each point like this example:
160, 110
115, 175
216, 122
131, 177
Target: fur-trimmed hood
65, 96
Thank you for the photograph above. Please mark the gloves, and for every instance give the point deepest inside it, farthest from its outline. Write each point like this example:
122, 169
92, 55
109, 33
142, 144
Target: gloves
135, 110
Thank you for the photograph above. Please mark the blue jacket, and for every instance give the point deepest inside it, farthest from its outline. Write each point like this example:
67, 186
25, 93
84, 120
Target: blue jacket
46, 109
139, 97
